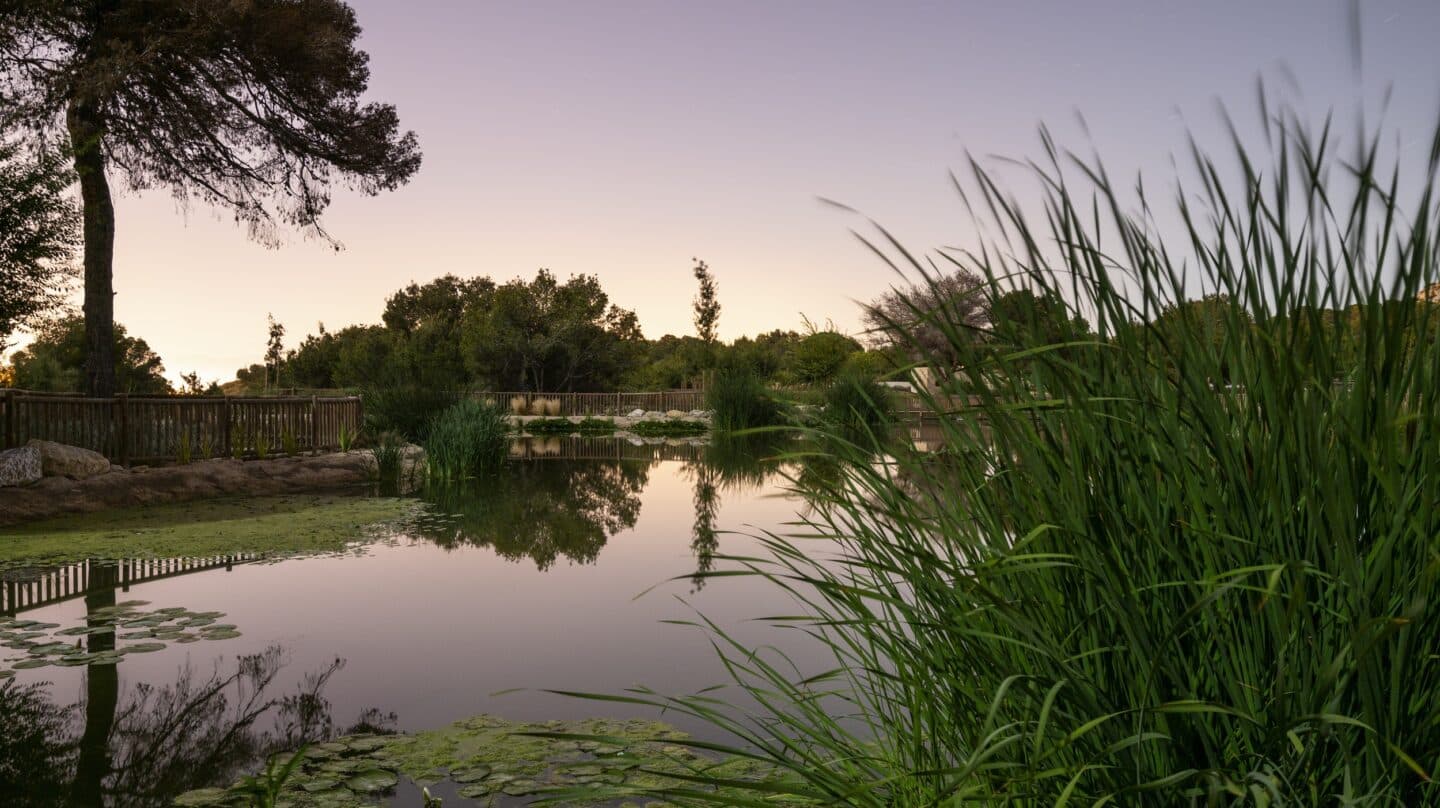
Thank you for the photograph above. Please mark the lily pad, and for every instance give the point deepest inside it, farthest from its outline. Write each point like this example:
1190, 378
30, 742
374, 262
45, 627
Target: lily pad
4, 674
143, 648
219, 635
471, 775
372, 781
475, 791
26, 664
202, 797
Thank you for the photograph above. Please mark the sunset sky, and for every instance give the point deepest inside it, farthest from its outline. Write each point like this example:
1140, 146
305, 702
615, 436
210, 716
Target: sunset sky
623, 138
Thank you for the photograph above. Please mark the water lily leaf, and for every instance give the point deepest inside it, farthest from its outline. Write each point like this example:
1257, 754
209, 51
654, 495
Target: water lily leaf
26, 664
471, 775
475, 791
143, 648
369, 782
219, 635
519, 788
320, 784
4, 674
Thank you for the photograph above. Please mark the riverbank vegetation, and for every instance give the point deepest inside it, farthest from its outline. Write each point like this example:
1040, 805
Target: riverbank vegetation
1189, 560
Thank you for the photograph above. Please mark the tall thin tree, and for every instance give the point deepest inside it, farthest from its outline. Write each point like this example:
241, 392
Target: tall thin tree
707, 305
251, 106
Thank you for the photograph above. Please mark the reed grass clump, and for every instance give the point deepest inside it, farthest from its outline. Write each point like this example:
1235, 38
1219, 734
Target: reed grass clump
858, 407
738, 399
466, 440
408, 410
1188, 559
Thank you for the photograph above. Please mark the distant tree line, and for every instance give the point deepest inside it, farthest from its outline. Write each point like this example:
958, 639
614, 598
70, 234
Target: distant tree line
541, 334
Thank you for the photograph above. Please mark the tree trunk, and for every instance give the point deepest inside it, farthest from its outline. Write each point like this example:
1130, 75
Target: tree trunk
86, 132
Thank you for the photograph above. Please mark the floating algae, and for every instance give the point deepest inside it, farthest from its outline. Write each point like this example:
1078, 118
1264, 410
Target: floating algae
493, 761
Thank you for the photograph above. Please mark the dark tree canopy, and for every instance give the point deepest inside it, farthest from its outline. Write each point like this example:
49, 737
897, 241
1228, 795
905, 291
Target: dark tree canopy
53, 362
251, 106
38, 235
929, 320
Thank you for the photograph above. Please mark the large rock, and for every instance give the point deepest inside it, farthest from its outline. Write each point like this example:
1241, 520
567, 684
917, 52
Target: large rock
20, 466
674, 414
59, 460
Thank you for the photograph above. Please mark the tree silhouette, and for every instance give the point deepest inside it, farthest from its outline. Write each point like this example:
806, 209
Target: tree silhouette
253, 107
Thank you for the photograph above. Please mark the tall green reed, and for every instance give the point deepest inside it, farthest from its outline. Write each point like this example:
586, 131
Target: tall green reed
1188, 559
466, 440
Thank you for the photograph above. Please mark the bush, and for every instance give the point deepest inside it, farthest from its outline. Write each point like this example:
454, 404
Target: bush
1178, 566
466, 440
738, 399
549, 426
672, 428
858, 407
404, 410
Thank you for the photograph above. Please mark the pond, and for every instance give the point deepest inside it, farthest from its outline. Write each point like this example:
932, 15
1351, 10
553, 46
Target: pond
558, 575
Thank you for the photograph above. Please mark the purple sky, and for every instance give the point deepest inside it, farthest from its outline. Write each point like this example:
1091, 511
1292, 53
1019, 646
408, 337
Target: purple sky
622, 138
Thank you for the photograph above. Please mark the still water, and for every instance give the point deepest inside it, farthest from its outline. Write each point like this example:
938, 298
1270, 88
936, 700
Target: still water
558, 575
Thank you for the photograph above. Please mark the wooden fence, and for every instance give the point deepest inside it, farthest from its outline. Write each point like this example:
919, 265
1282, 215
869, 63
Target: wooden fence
153, 429
602, 403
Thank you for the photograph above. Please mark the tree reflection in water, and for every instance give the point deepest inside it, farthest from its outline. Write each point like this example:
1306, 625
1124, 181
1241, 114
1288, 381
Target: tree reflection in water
199, 731
732, 463
541, 509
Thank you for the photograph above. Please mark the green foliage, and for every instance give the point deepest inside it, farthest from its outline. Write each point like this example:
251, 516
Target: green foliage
54, 362
289, 444
263, 790
669, 428
183, 451
545, 335
738, 399
262, 444
345, 438
549, 426
1124, 582
40, 224
817, 358
407, 410
859, 408
466, 440
389, 453
706, 304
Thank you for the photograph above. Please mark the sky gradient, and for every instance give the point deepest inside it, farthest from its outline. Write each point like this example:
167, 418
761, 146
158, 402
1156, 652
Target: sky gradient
623, 138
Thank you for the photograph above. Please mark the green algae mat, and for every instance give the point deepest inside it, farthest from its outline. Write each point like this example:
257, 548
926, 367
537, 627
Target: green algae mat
493, 761
274, 525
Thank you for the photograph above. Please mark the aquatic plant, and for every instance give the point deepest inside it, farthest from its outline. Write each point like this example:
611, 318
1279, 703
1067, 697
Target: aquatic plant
858, 407
669, 428
289, 444
389, 452
263, 790
262, 444
345, 437
182, 449
466, 440
1189, 559
738, 399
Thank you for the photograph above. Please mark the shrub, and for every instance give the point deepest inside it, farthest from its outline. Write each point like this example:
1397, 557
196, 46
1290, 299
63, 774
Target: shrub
1130, 582
670, 428
406, 410
738, 399
858, 407
550, 426
466, 440
389, 455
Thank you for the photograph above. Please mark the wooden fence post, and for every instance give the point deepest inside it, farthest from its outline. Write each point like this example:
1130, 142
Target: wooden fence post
9, 420
314, 425
225, 449
122, 414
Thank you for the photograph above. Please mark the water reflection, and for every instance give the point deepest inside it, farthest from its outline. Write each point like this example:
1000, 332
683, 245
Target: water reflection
540, 511
197, 731
731, 463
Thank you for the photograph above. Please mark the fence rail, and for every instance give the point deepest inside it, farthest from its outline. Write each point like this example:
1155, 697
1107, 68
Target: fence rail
152, 429
599, 403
